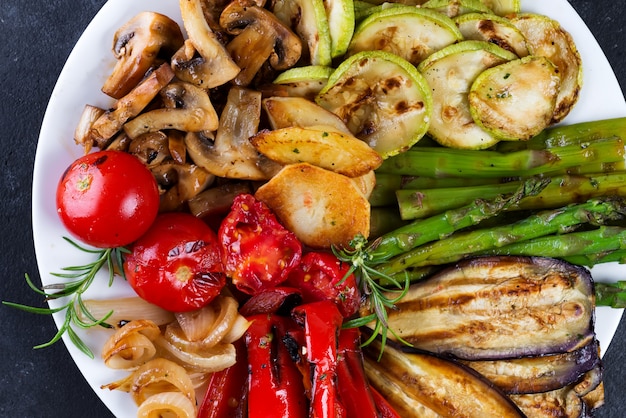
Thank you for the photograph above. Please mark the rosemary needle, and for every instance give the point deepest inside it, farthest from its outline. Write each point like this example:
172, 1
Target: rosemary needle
380, 298
79, 280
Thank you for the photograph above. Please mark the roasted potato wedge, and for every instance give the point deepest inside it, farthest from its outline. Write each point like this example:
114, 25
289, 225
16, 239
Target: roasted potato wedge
321, 146
321, 207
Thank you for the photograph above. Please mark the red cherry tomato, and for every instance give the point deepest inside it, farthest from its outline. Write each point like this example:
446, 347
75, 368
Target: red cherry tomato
176, 264
257, 251
320, 276
107, 199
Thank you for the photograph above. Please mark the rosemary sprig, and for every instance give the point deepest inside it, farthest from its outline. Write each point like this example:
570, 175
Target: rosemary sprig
380, 297
80, 278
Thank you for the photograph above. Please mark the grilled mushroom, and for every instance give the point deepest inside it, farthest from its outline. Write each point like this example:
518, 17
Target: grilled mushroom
129, 106
215, 63
189, 110
259, 36
231, 154
137, 46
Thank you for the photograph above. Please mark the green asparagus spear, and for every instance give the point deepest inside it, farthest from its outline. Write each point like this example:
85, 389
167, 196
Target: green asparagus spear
437, 227
602, 240
594, 212
562, 190
611, 294
562, 135
447, 162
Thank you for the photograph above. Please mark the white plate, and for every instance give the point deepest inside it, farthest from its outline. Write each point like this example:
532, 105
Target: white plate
79, 83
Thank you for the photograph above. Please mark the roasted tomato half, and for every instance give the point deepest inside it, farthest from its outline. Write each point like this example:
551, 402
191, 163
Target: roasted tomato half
321, 276
107, 199
257, 251
176, 264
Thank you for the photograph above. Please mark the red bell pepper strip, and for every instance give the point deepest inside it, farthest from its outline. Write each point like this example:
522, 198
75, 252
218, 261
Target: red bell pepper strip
352, 383
275, 387
320, 276
322, 321
385, 410
257, 251
226, 395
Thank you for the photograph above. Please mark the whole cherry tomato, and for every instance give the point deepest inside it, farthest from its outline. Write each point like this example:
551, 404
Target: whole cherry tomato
321, 276
176, 264
257, 251
107, 199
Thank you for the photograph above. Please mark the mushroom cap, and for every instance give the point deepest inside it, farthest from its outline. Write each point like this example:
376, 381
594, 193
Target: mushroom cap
259, 36
138, 46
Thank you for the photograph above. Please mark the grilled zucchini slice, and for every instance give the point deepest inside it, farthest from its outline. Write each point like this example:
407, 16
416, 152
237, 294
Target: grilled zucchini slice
340, 15
546, 37
494, 29
454, 8
407, 31
304, 81
382, 99
515, 100
502, 7
308, 19
450, 73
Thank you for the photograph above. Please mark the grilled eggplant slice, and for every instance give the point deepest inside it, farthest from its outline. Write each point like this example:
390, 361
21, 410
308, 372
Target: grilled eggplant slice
420, 384
540, 373
499, 307
576, 400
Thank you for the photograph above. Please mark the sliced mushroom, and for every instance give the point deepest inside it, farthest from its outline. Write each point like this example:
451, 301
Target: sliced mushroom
190, 110
217, 65
182, 182
83, 127
129, 106
137, 46
151, 148
231, 154
260, 37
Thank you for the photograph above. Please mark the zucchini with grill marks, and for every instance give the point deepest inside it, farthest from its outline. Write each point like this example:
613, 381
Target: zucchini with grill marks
492, 28
382, 99
407, 31
450, 73
515, 100
546, 37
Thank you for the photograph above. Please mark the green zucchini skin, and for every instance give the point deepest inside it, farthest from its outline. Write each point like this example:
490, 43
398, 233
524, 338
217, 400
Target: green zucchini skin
499, 307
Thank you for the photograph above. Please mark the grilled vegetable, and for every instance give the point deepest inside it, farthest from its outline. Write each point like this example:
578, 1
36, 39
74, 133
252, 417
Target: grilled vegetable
494, 29
450, 72
547, 38
410, 32
539, 373
594, 212
420, 384
382, 99
499, 307
515, 100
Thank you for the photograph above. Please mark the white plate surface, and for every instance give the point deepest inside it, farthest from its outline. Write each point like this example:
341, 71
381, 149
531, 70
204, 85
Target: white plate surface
90, 63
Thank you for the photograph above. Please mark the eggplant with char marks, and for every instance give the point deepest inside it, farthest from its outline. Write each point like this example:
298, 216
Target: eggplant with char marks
498, 307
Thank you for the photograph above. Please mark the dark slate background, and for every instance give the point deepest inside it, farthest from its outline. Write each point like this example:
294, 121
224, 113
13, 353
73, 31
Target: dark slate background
35, 40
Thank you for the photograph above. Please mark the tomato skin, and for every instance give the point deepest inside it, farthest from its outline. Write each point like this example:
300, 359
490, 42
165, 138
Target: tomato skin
107, 199
176, 264
320, 276
257, 251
